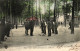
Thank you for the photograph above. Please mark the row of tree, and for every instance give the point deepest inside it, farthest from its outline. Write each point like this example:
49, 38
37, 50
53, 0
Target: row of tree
13, 9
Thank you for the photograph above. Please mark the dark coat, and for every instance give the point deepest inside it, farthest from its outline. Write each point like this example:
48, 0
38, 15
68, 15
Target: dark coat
8, 26
42, 24
26, 25
29, 25
49, 25
2, 30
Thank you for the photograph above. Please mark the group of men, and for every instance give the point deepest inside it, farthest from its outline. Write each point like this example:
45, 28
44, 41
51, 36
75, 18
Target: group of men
50, 26
4, 29
29, 24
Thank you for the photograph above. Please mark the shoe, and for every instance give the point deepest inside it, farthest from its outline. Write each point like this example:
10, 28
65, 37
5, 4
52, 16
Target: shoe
49, 35
31, 35
27, 34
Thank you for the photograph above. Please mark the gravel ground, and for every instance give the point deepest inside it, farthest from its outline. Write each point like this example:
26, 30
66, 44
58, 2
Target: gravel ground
64, 41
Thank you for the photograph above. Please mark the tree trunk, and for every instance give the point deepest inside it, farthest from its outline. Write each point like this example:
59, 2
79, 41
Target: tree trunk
36, 8
39, 11
32, 8
56, 32
65, 15
72, 25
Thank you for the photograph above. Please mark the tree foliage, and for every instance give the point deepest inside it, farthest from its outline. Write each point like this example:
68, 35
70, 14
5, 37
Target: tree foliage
14, 7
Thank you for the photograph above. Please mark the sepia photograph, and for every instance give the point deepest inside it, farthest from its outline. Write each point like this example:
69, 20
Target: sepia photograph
39, 25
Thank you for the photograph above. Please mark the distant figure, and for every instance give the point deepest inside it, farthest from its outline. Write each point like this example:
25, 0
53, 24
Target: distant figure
26, 23
49, 28
61, 23
56, 26
70, 25
31, 27
53, 26
43, 27
16, 26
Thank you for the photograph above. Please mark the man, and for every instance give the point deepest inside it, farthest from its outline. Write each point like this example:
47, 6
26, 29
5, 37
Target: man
2, 29
49, 28
16, 25
31, 27
26, 23
70, 25
7, 28
56, 26
53, 25
43, 26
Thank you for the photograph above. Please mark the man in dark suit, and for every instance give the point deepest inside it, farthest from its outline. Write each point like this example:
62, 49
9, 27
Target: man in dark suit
2, 29
7, 29
49, 28
43, 27
53, 26
27, 27
70, 25
31, 27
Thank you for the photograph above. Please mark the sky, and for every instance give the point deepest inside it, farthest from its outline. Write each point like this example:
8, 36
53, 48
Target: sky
43, 8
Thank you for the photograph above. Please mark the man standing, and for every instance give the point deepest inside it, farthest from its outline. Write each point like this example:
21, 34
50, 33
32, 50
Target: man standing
70, 25
49, 28
53, 25
2, 29
43, 26
7, 28
16, 25
31, 27
26, 23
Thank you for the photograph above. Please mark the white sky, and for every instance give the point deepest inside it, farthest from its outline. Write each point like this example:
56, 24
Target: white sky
43, 8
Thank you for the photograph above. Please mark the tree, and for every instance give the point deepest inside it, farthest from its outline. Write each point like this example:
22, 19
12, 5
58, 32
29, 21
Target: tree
56, 32
12, 8
72, 21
